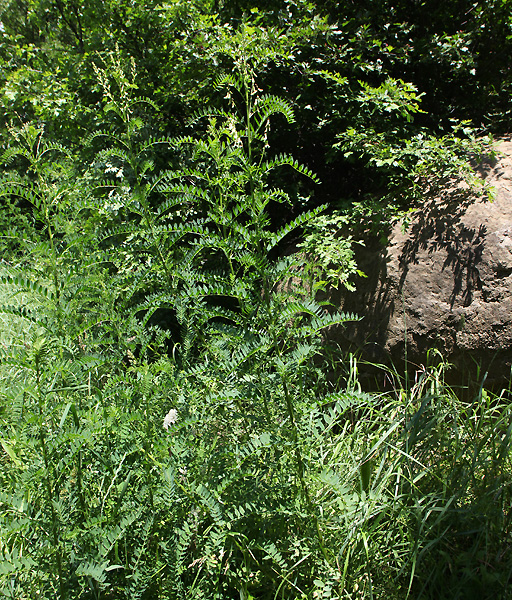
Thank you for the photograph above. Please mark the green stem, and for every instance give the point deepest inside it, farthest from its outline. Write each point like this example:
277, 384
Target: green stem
147, 452
301, 468
58, 558
79, 484
260, 250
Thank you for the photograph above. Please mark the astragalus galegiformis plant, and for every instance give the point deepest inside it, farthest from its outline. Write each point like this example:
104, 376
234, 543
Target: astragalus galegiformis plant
101, 500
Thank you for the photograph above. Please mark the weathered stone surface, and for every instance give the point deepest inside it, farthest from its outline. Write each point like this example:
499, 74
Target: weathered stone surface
445, 283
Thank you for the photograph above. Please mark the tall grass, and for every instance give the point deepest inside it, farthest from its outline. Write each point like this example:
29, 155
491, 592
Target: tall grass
410, 491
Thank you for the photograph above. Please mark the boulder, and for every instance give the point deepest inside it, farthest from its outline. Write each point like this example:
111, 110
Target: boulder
443, 282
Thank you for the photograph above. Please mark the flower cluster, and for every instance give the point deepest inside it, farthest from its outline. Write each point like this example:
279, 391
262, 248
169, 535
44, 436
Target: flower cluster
170, 418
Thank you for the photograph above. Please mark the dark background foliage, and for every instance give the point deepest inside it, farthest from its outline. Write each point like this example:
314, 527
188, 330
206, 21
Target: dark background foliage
455, 54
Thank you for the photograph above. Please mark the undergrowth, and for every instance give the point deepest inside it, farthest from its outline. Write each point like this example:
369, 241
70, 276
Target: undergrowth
167, 429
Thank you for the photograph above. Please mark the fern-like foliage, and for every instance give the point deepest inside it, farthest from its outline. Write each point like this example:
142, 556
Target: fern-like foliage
163, 388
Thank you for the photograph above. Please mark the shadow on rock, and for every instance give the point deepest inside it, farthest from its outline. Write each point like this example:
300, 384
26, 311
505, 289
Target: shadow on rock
444, 282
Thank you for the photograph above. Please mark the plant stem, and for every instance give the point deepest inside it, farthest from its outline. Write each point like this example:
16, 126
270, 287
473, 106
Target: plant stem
58, 558
301, 468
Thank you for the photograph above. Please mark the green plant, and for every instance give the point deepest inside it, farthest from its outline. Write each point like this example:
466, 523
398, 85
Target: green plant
214, 455
409, 161
330, 252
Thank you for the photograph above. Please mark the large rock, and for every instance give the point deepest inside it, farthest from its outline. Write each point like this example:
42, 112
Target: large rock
445, 282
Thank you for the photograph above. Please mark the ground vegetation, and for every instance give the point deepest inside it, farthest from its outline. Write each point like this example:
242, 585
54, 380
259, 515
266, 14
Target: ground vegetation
172, 422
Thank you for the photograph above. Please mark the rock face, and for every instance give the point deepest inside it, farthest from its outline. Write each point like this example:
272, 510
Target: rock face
445, 282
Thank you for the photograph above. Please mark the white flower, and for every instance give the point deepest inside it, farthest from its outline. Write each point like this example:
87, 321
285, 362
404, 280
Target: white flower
170, 418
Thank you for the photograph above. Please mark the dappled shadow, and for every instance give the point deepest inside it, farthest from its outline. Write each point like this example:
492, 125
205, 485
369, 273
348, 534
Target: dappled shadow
372, 301
438, 226
437, 229
440, 286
